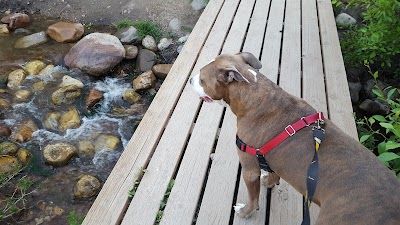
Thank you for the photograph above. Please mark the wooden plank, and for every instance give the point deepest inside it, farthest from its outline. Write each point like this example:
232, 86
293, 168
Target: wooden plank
339, 103
112, 199
183, 200
216, 206
286, 202
313, 74
272, 41
145, 204
253, 44
255, 34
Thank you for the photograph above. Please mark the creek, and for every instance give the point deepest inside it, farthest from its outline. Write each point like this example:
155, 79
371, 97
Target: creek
53, 198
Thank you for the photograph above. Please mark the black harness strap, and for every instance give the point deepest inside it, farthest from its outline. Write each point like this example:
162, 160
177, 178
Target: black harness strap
260, 158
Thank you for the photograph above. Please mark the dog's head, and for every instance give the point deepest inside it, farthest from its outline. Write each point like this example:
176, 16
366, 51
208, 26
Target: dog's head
215, 78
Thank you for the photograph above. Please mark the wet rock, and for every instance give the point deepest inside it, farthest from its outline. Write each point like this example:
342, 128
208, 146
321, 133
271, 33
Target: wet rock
16, 78
69, 120
58, 211
198, 4
4, 104
131, 96
161, 70
38, 86
183, 39
175, 25
345, 20
34, 67
8, 148
22, 31
179, 49
16, 20
95, 54
131, 51
149, 43
106, 142
59, 154
93, 97
65, 32
51, 120
144, 81
31, 40
25, 130
47, 70
164, 44
86, 187
146, 60
22, 96
66, 95
127, 35
375, 107
5, 131
4, 29
24, 156
86, 149
8, 164
67, 81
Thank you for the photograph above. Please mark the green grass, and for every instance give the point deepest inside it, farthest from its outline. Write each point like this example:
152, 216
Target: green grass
143, 28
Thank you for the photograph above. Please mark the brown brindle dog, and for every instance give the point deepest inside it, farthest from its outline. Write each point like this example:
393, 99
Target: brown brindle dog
353, 186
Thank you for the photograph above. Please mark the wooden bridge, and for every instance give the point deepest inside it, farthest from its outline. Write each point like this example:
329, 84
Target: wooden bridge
192, 143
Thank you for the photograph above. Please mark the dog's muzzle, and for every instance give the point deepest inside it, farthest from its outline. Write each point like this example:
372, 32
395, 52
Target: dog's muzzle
195, 83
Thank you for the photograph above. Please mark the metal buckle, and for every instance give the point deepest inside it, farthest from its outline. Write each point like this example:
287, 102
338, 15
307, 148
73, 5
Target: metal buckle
304, 120
287, 131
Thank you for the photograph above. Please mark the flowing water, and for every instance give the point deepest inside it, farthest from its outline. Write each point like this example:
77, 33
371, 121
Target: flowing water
112, 115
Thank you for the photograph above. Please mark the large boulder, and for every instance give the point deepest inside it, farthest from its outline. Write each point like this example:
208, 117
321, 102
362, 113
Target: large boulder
31, 40
65, 32
95, 54
58, 154
16, 20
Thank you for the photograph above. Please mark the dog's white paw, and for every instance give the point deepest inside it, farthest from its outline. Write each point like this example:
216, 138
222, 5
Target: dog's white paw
264, 174
238, 207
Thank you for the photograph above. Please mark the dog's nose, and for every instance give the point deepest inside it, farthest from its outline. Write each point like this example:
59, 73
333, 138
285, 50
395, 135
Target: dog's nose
191, 80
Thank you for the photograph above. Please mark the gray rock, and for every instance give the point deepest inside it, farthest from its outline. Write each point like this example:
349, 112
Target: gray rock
375, 107
131, 51
345, 20
175, 24
146, 60
179, 49
183, 39
31, 40
369, 85
149, 43
127, 35
95, 54
198, 4
22, 31
355, 89
164, 43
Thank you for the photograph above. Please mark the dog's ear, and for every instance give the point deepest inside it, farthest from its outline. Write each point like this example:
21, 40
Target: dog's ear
250, 59
230, 74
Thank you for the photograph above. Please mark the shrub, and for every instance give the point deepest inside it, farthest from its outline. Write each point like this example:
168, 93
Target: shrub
381, 134
143, 28
377, 40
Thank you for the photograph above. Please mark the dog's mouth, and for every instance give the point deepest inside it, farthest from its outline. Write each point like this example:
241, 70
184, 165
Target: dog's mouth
206, 99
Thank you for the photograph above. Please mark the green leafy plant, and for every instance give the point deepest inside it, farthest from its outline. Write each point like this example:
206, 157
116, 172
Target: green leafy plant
75, 218
163, 203
139, 176
143, 28
17, 200
381, 134
377, 40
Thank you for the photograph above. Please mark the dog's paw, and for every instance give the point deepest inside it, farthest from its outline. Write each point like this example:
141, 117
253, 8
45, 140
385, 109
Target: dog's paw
243, 210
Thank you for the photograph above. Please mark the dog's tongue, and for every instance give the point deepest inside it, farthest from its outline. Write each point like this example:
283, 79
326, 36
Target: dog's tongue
206, 99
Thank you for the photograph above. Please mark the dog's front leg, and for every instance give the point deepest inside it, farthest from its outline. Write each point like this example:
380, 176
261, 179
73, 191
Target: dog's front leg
251, 177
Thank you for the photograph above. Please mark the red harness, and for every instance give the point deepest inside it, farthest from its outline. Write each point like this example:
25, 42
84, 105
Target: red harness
289, 131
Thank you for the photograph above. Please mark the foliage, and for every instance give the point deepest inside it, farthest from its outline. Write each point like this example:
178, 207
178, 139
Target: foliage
143, 28
163, 203
381, 134
75, 218
139, 176
377, 39
16, 201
